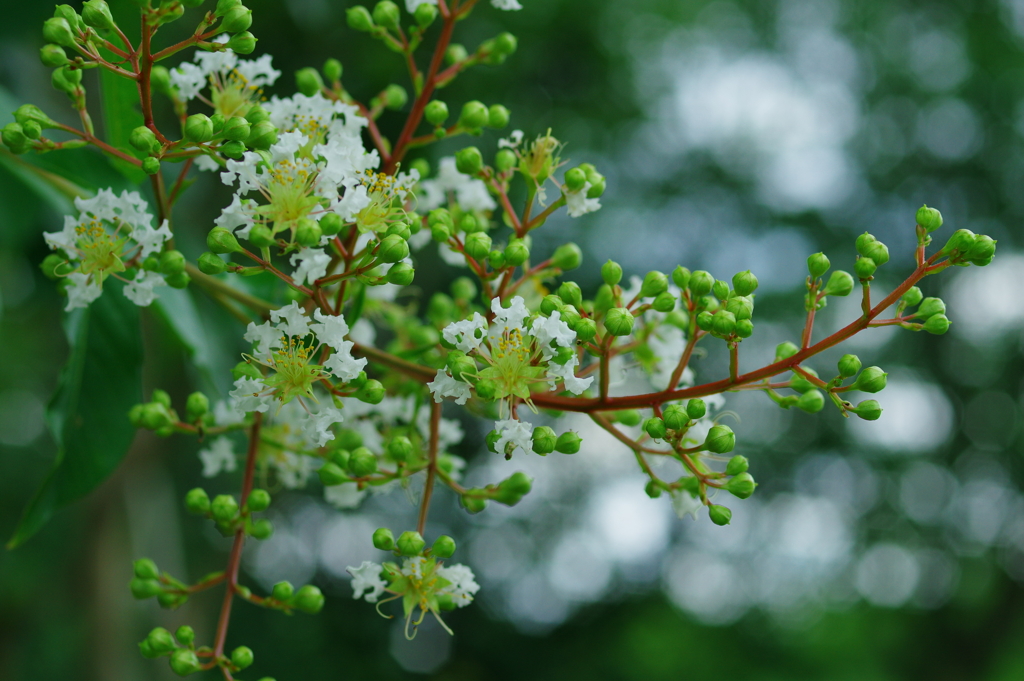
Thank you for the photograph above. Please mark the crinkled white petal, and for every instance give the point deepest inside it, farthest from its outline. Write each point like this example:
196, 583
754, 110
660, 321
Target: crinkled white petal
265, 336
342, 364
463, 583
578, 204
218, 457
506, 4
344, 496
466, 334
547, 329
512, 141
511, 317
258, 72
518, 433
64, 239
248, 395
567, 373
245, 171
366, 579
237, 217
140, 289
444, 386
317, 427
290, 320
311, 265
81, 291
151, 240
329, 329
685, 503
189, 79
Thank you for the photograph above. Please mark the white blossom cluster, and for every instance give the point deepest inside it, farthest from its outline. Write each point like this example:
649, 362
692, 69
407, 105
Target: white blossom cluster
369, 585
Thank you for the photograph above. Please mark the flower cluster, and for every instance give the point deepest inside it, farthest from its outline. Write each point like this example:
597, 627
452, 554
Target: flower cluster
236, 85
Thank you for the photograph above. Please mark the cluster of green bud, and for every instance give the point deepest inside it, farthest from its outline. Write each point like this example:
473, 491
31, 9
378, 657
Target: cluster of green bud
930, 311
284, 596
725, 312
411, 543
345, 465
509, 492
156, 415
578, 177
148, 582
228, 515
967, 248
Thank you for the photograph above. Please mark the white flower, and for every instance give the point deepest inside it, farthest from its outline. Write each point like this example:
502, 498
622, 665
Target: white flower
219, 456
342, 364
470, 193
444, 386
312, 264
366, 578
463, 584
344, 496
578, 203
512, 141
330, 330
257, 72
518, 433
511, 317
81, 291
238, 217
567, 373
318, 426
290, 320
467, 334
685, 503
265, 336
204, 162
247, 395
547, 329
140, 290
238, 80
245, 171
151, 240
189, 79
506, 4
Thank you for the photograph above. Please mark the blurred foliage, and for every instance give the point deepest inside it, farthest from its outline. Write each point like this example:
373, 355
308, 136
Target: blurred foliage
65, 611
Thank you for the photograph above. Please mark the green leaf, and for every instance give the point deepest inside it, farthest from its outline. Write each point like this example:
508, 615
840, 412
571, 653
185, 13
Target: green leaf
88, 414
120, 98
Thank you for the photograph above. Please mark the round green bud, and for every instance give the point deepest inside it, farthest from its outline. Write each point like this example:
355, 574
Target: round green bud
96, 14
401, 274
400, 447
155, 416
474, 115
14, 138
586, 329
425, 15
151, 263
395, 96
473, 504
567, 257
441, 232
160, 80
150, 165
469, 161
737, 464
385, 13
869, 410
185, 635
744, 328
505, 44
178, 280
720, 440
330, 224
929, 218
931, 307
720, 290
681, 277
701, 283
224, 507
172, 262
144, 588
817, 265
839, 284
158, 642
196, 406
359, 18
236, 20
811, 401
544, 439
720, 515
332, 70
262, 135
611, 272
170, 600
513, 489
785, 350
242, 43
282, 591
696, 409
961, 241
383, 539
469, 224
664, 302
257, 114
33, 130
982, 250
144, 139
655, 427
744, 283
392, 249
849, 365
436, 112
161, 397
58, 30
675, 417
410, 543
516, 253
233, 149
463, 288
654, 283
444, 547
53, 56
259, 500
54, 266
864, 268
236, 129
619, 321
505, 160
242, 657
362, 462
705, 320
568, 443
497, 116
604, 299
570, 292
198, 128
197, 501
309, 599
937, 324
871, 380
220, 241
331, 474
875, 250
184, 662
145, 568
211, 263
741, 485
912, 297
627, 417
724, 323
741, 307
575, 178
261, 529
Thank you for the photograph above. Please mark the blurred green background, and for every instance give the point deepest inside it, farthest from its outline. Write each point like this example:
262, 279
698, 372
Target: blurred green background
734, 135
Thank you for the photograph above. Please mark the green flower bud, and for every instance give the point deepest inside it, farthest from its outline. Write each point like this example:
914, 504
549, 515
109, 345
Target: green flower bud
436, 112
570, 292
619, 321
664, 302
444, 547
197, 501
497, 116
567, 257
259, 500
224, 507
516, 253
262, 135
871, 380
185, 635
261, 529
242, 43
513, 489
242, 657
505, 44
720, 515
171, 601
144, 588
58, 30
912, 297
675, 417
586, 329
161, 397
720, 289
469, 224
155, 416
811, 401
544, 439
652, 489
785, 351
469, 161
655, 427
160, 80
425, 15
410, 543
31, 129
383, 539
332, 70
473, 504
196, 406
392, 249
330, 224
184, 662
282, 591
869, 410
395, 96
961, 241
257, 114
839, 284
568, 443
160, 642
681, 277
309, 599
575, 179
696, 409
144, 568
144, 139
505, 160
744, 283
400, 448
220, 240
604, 299
362, 462
359, 18
198, 128
401, 274
385, 13
929, 218
474, 115
233, 149
740, 307
52, 56
864, 268
931, 307
701, 283
236, 20
873, 249
654, 283
54, 266
849, 365
720, 440
150, 165
817, 265
14, 137
744, 328
61, 81
611, 272
737, 465
172, 262
937, 324
724, 323
982, 250
236, 129
211, 263
741, 485
331, 474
